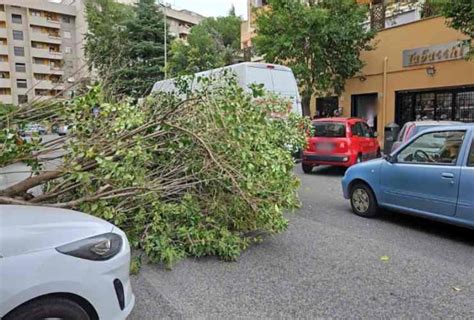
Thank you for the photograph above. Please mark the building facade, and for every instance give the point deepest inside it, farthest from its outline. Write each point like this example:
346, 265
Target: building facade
418, 71
179, 22
40, 50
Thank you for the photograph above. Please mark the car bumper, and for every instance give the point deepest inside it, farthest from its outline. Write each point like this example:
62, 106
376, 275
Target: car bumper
341, 160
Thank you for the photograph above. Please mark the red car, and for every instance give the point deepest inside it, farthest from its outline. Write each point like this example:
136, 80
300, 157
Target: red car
339, 142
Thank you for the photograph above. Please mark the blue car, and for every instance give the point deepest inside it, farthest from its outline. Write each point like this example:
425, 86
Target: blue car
432, 175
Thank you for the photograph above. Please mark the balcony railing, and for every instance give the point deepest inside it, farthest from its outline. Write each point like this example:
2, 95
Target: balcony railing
6, 98
44, 22
5, 82
46, 53
47, 69
46, 37
4, 66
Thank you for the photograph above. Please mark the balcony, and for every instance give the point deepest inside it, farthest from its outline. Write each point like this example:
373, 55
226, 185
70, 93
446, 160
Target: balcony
47, 69
4, 66
6, 99
45, 37
48, 85
3, 33
46, 53
3, 50
44, 22
5, 83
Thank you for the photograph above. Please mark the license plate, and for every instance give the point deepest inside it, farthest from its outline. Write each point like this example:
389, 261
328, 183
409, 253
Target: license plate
325, 146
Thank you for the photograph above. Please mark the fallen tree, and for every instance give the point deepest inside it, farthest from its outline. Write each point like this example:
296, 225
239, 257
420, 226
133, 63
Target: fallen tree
196, 173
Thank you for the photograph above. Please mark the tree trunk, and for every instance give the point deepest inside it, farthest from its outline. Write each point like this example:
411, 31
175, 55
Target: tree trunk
306, 102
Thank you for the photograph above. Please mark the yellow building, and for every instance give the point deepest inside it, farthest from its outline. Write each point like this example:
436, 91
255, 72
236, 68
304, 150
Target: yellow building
417, 71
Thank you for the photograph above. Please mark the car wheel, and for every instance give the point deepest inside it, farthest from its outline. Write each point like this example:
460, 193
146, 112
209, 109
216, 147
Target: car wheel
307, 168
363, 201
49, 308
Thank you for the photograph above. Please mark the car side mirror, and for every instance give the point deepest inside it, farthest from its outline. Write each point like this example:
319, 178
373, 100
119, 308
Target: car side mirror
389, 158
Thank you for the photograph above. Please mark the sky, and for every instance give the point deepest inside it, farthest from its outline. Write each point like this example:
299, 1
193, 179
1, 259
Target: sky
211, 8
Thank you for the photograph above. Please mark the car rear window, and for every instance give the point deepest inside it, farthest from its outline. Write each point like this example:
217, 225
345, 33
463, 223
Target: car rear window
329, 129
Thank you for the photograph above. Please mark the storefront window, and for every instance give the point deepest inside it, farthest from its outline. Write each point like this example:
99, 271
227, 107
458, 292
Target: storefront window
465, 110
443, 104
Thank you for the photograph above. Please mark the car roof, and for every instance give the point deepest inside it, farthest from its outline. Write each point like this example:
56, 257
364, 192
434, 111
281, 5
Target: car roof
459, 126
338, 119
433, 123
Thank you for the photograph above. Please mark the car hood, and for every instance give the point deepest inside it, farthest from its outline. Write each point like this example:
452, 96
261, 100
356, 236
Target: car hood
26, 229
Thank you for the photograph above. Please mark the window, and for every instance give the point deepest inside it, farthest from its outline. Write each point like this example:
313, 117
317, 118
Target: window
357, 130
68, 50
66, 19
20, 67
17, 35
16, 18
22, 99
19, 51
67, 34
329, 129
440, 148
4, 75
21, 83
470, 161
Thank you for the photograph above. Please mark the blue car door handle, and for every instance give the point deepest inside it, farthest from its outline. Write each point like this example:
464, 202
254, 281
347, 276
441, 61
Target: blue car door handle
447, 175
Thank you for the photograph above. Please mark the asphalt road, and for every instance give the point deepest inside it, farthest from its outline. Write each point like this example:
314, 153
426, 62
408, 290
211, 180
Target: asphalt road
327, 265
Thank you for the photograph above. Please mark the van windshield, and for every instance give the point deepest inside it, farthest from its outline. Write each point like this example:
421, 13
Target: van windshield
329, 129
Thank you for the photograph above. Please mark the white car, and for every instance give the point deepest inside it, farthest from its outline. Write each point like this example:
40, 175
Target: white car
62, 264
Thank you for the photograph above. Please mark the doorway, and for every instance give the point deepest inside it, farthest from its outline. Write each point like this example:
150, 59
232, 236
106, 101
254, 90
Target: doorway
327, 107
365, 106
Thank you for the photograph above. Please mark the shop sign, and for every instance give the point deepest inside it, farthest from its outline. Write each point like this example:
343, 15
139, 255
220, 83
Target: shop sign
437, 53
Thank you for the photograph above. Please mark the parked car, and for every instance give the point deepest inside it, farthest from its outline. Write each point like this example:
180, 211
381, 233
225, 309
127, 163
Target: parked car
339, 142
62, 264
412, 128
432, 176
32, 129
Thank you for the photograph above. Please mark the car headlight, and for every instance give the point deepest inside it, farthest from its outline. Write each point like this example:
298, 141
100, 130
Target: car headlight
97, 248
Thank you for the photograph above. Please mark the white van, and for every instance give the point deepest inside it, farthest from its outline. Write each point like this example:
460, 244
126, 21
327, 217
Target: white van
275, 78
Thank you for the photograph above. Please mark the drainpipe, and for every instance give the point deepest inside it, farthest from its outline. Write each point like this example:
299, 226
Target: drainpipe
384, 103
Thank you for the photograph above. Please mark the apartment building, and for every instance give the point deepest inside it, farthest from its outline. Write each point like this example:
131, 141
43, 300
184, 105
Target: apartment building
179, 22
40, 50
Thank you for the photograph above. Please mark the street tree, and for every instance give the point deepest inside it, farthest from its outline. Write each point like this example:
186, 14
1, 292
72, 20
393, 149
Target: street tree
213, 43
320, 40
459, 14
125, 45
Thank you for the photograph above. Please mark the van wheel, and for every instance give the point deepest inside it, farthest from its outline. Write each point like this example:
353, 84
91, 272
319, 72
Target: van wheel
363, 201
49, 308
307, 168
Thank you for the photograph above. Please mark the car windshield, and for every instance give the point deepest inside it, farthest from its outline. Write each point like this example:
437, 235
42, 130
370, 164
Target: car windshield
329, 129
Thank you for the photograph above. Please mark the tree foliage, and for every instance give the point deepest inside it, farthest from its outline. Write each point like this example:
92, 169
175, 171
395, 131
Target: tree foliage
190, 176
460, 15
320, 40
125, 45
213, 43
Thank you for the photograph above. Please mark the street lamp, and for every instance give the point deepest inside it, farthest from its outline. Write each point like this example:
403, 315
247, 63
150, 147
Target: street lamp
166, 37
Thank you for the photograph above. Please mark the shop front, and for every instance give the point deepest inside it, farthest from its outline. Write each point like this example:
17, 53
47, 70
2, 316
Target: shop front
456, 104
418, 71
